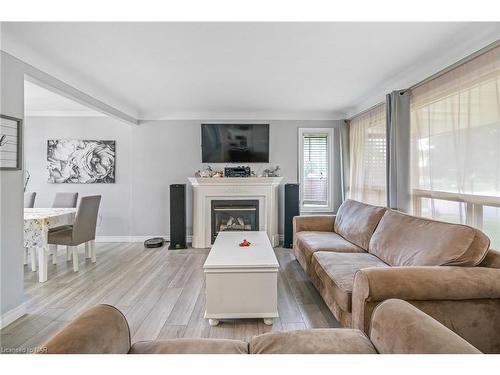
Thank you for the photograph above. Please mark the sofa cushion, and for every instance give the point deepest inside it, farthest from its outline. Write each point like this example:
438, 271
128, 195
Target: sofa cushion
404, 240
190, 346
335, 272
310, 242
314, 341
357, 221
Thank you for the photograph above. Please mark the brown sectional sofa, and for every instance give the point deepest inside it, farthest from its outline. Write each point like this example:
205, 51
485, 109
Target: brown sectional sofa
397, 327
367, 254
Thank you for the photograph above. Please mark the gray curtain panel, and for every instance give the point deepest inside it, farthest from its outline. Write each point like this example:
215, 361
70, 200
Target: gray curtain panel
344, 158
398, 150
340, 162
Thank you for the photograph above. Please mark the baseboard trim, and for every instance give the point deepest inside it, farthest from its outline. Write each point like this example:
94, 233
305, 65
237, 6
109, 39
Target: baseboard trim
12, 315
135, 238
113, 239
189, 238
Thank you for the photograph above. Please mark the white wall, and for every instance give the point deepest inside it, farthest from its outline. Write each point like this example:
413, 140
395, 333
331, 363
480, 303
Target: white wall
11, 199
114, 216
150, 157
171, 152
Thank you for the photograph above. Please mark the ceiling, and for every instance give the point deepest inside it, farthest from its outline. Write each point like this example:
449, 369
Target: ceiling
242, 70
39, 101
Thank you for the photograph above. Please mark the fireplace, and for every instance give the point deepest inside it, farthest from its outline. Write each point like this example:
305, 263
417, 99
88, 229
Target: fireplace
234, 215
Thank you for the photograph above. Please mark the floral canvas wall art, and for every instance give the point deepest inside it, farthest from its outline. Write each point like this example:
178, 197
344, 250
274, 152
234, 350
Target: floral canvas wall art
81, 161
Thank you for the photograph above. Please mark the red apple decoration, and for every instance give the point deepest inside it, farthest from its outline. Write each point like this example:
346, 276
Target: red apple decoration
245, 243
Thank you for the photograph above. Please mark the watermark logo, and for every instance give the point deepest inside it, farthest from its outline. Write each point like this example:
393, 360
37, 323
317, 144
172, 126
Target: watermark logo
23, 350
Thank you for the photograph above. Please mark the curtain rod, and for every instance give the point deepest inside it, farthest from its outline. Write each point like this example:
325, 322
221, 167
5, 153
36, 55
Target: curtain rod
366, 110
449, 68
466, 59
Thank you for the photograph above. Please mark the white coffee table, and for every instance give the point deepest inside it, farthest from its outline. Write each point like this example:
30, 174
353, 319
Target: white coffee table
241, 282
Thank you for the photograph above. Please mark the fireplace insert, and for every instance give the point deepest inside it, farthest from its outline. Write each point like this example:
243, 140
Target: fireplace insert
234, 215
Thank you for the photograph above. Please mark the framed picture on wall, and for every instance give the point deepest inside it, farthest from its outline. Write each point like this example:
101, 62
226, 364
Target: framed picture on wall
10, 143
81, 161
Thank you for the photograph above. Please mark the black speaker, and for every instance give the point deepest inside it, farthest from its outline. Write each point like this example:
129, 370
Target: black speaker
291, 210
177, 216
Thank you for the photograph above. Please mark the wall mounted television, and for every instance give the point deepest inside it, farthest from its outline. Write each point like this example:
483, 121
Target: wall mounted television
235, 143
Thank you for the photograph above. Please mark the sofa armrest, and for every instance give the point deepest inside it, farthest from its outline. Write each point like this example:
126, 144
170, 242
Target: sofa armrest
101, 330
374, 285
400, 328
491, 260
320, 223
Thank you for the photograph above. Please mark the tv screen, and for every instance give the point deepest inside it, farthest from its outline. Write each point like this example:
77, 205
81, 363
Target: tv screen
235, 143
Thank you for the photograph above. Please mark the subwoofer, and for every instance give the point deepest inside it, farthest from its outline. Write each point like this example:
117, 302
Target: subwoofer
177, 216
291, 210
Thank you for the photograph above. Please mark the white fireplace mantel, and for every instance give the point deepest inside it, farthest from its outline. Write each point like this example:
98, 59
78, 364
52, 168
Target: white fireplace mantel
263, 189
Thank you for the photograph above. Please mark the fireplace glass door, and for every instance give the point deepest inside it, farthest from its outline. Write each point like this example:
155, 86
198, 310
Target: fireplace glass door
234, 215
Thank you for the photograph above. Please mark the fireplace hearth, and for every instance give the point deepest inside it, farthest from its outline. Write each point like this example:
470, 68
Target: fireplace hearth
234, 215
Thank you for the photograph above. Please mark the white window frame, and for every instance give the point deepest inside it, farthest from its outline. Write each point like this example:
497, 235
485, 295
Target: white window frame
329, 132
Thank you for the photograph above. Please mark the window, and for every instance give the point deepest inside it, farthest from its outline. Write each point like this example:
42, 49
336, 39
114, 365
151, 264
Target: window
367, 144
315, 169
455, 145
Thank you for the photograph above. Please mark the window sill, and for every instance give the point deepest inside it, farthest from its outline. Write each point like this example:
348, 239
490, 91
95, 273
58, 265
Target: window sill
319, 210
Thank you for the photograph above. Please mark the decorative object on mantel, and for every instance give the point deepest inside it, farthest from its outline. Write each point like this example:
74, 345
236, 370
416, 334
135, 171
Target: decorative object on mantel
207, 172
10, 143
271, 172
81, 161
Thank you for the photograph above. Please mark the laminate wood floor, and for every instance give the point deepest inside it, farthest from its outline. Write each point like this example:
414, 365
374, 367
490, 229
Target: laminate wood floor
161, 293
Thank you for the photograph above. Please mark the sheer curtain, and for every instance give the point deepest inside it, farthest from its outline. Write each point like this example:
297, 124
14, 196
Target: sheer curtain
367, 149
455, 144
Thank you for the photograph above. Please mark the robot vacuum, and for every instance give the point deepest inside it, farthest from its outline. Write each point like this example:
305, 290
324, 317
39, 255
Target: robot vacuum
154, 242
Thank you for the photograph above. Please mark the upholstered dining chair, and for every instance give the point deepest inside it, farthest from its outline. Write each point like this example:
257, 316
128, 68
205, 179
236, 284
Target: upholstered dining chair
29, 200
82, 231
65, 200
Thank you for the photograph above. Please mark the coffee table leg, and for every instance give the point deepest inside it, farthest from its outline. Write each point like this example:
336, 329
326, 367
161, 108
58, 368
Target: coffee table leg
268, 321
213, 322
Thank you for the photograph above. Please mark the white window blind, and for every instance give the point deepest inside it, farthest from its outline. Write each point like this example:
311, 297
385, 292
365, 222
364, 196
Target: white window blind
315, 169
316, 178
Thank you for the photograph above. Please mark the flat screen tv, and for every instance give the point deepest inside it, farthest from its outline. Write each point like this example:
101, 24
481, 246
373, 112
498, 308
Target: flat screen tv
235, 143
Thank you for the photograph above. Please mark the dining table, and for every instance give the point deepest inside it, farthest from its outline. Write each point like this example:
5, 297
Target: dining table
37, 223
